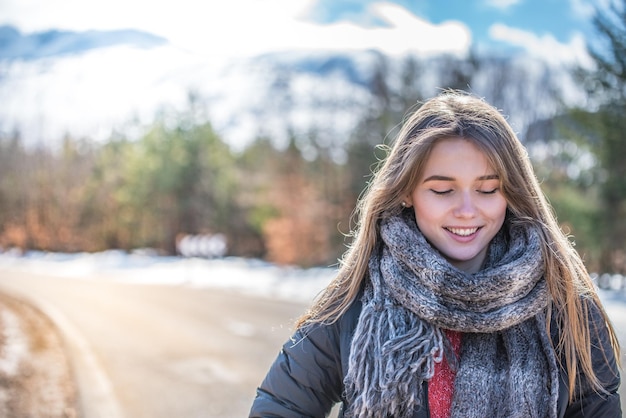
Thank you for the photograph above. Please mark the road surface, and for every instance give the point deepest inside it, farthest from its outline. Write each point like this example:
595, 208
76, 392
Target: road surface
161, 351
169, 351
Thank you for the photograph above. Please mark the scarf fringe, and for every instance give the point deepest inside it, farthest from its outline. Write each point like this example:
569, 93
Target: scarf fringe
390, 337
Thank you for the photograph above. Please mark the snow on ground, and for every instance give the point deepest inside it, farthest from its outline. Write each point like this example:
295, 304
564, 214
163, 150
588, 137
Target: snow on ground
245, 275
15, 347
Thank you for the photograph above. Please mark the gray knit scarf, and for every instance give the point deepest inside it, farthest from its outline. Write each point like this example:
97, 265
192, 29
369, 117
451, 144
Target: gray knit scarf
507, 367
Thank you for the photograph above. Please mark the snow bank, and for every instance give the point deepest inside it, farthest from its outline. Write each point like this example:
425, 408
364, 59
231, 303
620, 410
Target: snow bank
250, 276
245, 275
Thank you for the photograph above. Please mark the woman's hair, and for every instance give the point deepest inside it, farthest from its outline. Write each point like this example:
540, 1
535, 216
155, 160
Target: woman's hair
459, 114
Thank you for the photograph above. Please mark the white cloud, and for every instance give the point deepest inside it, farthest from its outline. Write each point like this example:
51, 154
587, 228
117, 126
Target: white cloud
408, 32
240, 27
546, 47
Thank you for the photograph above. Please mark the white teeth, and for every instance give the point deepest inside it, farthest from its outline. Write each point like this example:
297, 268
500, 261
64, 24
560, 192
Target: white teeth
464, 232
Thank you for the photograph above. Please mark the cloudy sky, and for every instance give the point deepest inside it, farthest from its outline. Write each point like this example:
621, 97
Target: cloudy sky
553, 29
86, 94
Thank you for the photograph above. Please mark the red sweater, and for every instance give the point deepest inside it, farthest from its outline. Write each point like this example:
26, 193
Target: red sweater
441, 386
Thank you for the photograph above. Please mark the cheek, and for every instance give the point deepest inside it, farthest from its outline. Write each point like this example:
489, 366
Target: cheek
429, 209
498, 209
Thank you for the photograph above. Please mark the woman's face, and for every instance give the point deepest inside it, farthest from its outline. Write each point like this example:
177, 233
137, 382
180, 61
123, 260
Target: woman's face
458, 203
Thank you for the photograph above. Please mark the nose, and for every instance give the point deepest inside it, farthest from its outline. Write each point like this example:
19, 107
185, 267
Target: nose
465, 207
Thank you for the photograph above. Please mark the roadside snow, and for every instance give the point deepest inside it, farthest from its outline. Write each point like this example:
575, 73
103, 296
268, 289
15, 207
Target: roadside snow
14, 346
250, 276
244, 275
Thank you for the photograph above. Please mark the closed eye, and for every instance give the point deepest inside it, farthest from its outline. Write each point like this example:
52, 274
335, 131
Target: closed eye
488, 191
441, 192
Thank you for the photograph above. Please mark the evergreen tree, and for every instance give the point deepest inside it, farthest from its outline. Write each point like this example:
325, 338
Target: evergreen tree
606, 86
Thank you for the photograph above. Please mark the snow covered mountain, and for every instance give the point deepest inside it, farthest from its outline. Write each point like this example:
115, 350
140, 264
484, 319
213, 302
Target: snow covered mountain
15, 45
87, 84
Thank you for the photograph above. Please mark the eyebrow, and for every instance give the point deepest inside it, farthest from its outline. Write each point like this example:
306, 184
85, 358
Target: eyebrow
446, 178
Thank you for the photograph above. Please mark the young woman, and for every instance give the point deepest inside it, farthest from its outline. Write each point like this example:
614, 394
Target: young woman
459, 296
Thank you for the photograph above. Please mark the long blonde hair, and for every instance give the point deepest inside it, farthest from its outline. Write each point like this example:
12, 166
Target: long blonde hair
459, 114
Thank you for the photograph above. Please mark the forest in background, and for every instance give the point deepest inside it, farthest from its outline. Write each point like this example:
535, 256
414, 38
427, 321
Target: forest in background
292, 204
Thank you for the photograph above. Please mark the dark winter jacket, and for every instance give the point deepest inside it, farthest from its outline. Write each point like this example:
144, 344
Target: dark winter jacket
306, 379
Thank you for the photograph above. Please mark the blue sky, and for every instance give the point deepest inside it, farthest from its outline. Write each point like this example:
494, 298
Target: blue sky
561, 19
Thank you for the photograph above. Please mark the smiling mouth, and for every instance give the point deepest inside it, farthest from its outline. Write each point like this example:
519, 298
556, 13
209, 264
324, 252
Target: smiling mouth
463, 232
